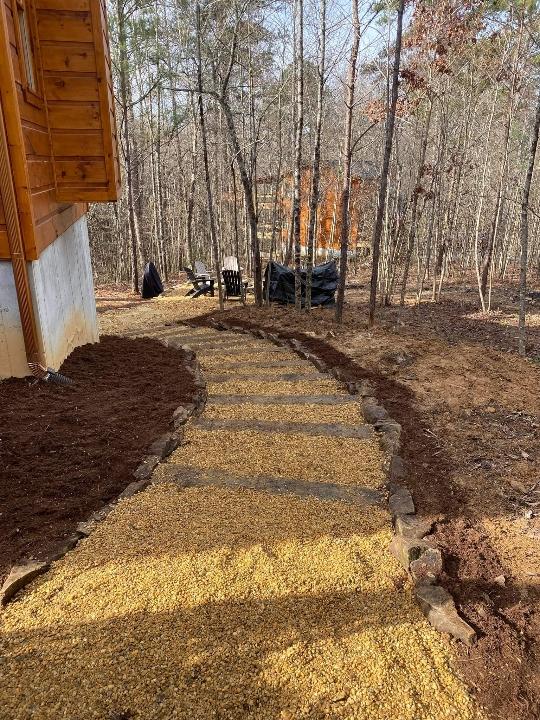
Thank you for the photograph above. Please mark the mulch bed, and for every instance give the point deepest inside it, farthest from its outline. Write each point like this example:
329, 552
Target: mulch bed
67, 451
501, 667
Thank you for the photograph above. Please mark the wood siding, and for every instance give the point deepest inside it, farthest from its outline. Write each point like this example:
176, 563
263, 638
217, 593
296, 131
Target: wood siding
4, 247
73, 41
63, 136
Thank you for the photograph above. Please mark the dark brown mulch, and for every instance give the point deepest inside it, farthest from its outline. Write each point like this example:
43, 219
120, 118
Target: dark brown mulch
502, 667
67, 451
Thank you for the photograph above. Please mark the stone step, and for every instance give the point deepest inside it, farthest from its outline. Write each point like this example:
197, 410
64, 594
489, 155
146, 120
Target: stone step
281, 377
174, 328
188, 338
190, 477
282, 399
193, 340
249, 349
337, 430
293, 363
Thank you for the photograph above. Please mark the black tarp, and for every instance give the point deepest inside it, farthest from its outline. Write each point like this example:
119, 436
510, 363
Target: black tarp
323, 287
151, 284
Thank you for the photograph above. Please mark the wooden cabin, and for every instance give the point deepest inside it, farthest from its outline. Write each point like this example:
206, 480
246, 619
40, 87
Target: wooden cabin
58, 152
364, 183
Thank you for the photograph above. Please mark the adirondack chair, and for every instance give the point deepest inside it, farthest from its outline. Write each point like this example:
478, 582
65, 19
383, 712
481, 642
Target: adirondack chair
200, 269
201, 284
235, 287
230, 263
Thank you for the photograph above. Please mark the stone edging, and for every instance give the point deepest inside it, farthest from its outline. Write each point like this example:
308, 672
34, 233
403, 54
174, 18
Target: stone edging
411, 544
22, 574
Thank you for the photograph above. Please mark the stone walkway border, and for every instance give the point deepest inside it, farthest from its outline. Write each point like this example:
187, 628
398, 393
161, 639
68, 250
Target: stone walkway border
411, 544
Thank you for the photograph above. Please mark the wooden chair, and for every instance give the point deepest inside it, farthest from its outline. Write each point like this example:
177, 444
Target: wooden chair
200, 269
201, 284
231, 263
235, 287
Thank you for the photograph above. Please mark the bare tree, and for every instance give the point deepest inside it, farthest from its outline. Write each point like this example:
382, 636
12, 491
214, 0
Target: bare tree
211, 212
299, 129
524, 231
347, 161
389, 137
316, 163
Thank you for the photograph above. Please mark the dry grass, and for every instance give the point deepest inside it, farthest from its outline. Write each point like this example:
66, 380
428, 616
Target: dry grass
210, 603
348, 414
318, 459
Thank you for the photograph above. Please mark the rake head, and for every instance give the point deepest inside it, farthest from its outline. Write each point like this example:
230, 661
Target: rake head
48, 375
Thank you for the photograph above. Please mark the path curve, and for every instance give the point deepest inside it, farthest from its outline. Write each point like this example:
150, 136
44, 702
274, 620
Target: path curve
250, 580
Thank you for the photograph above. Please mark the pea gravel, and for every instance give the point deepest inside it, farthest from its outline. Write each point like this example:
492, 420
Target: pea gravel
218, 368
234, 604
316, 387
349, 414
343, 461
218, 603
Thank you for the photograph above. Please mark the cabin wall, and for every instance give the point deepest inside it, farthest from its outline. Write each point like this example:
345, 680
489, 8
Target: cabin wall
67, 127
63, 292
63, 295
4, 246
48, 217
328, 232
79, 97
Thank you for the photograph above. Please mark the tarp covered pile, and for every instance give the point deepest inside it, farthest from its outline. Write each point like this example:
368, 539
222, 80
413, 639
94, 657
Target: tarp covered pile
323, 287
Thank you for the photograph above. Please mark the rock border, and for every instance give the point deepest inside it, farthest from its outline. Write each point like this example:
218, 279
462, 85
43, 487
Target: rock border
411, 544
23, 573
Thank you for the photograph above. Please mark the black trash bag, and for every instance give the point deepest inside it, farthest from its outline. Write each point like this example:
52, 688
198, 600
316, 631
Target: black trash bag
323, 285
151, 285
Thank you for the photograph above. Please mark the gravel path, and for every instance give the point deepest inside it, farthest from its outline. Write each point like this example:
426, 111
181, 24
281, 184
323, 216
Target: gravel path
224, 602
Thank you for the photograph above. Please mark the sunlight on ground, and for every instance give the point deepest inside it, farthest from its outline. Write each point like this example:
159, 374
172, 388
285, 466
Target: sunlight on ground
346, 414
498, 317
227, 603
344, 461
318, 387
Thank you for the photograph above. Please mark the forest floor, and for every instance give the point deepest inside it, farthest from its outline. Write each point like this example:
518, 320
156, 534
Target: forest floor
67, 451
470, 408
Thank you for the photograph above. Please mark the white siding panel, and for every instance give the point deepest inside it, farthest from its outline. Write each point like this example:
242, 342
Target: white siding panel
63, 291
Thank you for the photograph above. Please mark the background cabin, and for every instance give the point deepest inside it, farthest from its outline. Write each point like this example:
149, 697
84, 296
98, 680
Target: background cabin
58, 151
364, 184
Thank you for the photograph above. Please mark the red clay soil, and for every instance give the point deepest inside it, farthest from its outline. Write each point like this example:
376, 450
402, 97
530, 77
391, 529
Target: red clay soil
67, 451
502, 668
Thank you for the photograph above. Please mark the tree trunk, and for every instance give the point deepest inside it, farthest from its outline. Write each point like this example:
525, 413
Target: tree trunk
251, 214
377, 232
124, 95
299, 129
347, 159
316, 164
211, 213
524, 232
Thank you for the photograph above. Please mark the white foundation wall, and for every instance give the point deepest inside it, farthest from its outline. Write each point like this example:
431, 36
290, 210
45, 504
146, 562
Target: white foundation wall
64, 305
12, 353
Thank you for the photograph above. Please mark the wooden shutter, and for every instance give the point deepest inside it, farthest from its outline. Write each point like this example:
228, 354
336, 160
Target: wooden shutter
77, 86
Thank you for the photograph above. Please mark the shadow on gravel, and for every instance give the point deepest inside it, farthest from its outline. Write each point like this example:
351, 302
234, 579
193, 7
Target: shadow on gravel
216, 659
